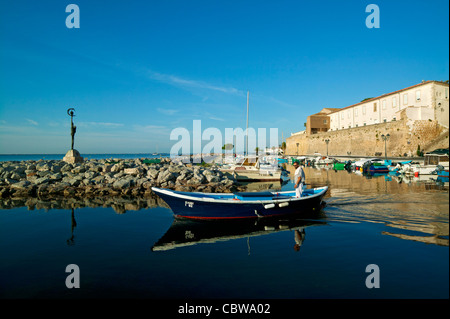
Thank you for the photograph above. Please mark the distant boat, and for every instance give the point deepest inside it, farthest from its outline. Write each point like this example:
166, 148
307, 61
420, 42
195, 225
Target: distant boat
242, 204
156, 153
358, 165
251, 169
323, 160
339, 166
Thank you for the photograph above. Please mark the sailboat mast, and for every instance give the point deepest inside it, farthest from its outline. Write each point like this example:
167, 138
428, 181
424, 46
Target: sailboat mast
246, 131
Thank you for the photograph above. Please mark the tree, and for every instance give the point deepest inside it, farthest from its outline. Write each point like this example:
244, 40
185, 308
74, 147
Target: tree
419, 152
227, 147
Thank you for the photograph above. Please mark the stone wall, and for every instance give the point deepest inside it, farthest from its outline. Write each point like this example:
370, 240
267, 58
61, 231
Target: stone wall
405, 137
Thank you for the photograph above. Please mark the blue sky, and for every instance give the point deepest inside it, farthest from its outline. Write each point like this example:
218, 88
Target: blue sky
136, 70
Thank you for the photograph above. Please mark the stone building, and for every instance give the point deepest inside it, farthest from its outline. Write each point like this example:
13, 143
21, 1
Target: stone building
416, 116
428, 100
319, 122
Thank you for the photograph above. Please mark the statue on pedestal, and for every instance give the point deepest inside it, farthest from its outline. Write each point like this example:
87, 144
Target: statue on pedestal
72, 156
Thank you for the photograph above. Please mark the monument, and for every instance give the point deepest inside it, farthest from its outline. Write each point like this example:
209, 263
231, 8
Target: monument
72, 156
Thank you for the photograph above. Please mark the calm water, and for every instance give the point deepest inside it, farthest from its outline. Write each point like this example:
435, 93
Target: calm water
135, 249
37, 157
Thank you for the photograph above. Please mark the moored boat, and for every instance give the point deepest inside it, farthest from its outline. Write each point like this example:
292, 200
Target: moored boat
241, 204
252, 169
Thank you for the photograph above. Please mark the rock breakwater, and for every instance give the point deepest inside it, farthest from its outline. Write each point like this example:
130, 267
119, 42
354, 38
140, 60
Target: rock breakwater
98, 178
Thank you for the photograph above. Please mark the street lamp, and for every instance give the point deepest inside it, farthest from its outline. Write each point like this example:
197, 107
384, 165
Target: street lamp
385, 138
327, 141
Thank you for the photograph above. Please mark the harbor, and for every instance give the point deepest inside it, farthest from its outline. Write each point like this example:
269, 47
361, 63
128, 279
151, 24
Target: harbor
375, 220
220, 159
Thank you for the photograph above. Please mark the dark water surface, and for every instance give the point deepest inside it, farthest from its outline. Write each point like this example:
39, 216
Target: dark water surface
135, 248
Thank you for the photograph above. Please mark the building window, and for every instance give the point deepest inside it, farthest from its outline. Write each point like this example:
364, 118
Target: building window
384, 104
417, 95
374, 107
446, 93
405, 99
394, 101
384, 120
324, 121
356, 112
348, 114
364, 124
364, 109
394, 119
342, 115
356, 125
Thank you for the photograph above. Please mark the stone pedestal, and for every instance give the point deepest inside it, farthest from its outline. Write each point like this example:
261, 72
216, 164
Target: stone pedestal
73, 156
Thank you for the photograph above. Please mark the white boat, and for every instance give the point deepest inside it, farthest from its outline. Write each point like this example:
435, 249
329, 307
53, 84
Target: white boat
319, 159
418, 169
359, 164
251, 169
435, 158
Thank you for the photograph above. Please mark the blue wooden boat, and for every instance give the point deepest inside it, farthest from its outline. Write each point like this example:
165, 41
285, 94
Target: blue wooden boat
241, 204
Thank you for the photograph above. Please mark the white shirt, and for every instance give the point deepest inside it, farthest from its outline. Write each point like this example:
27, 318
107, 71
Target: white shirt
299, 172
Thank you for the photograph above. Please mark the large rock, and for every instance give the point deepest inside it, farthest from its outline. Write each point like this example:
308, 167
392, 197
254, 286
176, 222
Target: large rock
122, 183
133, 171
153, 173
41, 180
21, 185
166, 176
200, 178
66, 168
116, 168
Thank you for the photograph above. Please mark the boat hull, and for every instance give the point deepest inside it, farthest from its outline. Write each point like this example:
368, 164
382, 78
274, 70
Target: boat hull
184, 205
378, 169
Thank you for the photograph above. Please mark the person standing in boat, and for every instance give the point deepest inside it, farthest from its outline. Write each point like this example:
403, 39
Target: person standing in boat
299, 179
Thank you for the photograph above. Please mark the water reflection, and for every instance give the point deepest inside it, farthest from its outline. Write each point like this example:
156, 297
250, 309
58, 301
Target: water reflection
120, 204
356, 180
71, 240
188, 232
411, 208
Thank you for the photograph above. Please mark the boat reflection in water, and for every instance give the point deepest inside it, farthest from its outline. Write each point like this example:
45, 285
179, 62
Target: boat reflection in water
187, 232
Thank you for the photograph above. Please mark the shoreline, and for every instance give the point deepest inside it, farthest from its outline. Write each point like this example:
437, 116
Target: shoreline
108, 178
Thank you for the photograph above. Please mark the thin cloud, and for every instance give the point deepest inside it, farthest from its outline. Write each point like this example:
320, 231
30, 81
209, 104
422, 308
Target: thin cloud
178, 81
152, 129
216, 118
167, 111
103, 124
32, 122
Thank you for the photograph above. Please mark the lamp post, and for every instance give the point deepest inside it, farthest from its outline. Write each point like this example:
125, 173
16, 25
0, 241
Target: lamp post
327, 141
385, 138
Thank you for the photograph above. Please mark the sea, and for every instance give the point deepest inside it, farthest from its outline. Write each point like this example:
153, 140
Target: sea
37, 157
377, 237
